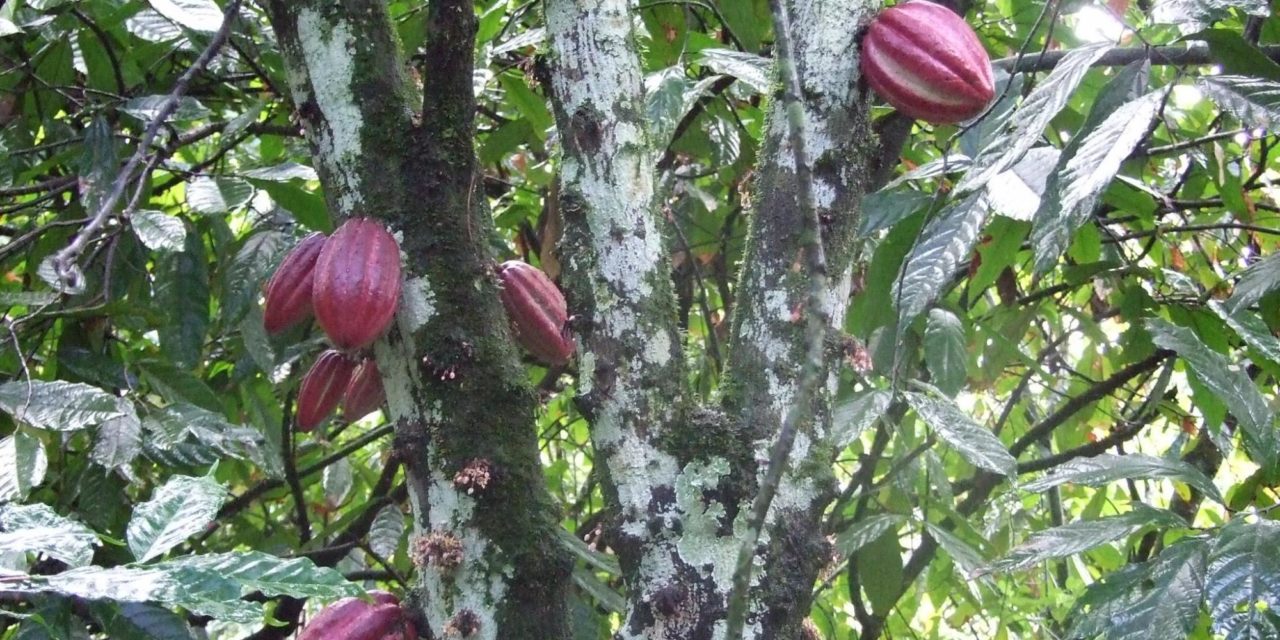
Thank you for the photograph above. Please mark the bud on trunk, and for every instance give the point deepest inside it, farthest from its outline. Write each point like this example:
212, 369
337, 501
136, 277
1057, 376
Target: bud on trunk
925, 61
357, 283
356, 619
537, 312
322, 388
288, 300
365, 394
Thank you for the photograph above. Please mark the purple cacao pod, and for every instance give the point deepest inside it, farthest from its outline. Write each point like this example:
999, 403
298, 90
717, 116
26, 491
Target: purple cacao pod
927, 62
322, 388
288, 299
357, 619
357, 283
537, 312
365, 393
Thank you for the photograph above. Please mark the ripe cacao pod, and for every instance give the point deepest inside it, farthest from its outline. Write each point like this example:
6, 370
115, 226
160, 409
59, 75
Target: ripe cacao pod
322, 388
537, 312
365, 393
924, 60
288, 300
357, 619
357, 283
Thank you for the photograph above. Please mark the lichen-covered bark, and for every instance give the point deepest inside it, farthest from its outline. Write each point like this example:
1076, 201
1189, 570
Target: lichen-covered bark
767, 354
484, 524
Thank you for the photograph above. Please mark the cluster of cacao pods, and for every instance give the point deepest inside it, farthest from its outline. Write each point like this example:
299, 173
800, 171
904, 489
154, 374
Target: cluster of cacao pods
350, 283
358, 619
926, 62
537, 311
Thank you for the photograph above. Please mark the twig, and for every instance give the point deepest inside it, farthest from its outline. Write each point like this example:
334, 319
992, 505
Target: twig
816, 313
64, 261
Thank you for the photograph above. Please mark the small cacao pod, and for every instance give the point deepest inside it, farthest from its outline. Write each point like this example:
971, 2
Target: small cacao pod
357, 619
537, 312
364, 393
357, 283
322, 388
288, 300
927, 62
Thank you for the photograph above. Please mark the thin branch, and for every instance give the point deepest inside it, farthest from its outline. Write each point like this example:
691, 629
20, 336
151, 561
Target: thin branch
64, 261
816, 313
1193, 55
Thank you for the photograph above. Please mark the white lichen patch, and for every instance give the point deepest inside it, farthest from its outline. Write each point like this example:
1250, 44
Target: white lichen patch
700, 544
657, 350
796, 492
329, 51
417, 305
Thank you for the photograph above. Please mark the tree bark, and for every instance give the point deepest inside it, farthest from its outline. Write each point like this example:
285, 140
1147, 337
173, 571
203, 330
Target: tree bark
489, 563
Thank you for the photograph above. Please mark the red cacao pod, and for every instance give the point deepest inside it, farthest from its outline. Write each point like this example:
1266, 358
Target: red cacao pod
357, 283
365, 393
924, 60
537, 312
288, 300
357, 619
322, 388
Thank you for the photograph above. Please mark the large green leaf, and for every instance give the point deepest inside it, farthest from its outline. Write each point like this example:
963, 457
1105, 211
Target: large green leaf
938, 252
37, 528
1256, 102
197, 15
182, 293
1076, 537
1261, 278
255, 571
1106, 468
59, 405
1242, 585
944, 351
23, 465
179, 509
954, 427
851, 417
1159, 600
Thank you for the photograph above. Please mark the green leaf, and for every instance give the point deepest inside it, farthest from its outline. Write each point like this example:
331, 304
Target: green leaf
147, 108
1236, 55
944, 351
178, 385
117, 441
386, 531
1075, 188
1261, 278
140, 621
1242, 585
176, 425
968, 560
158, 230
600, 561
880, 566
197, 15
182, 292
751, 69
1158, 600
283, 172
862, 533
179, 509
255, 571
884, 208
23, 464
307, 208
602, 593
218, 195
201, 592
243, 278
37, 528
1106, 468
942, 246
973, 441
531, 106
1254, 101
1230, 384
1045, 101
851, 417
1193, 15
1251, 328
60, 405
1077, 537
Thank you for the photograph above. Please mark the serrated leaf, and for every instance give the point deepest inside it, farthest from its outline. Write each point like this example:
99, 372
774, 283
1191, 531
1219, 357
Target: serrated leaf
182, 293
860, 534
37, 528
60, 405
117, 442
1261, 278
886, 207
1230, 384
23, 464
1085, 174
197, 15
1255, 102
1158, 601
953, 426
942, 246
212, 196
283, 172
256, 571
158, 230
1251, 328
1242, 585
751, 69
140, 621
338, 480
179, 423
1018, 192
179, 509
1105, 468
944, 353
147, 108
851, 417
149, 25
967, 559
1193, 15
1045, 101
1077, 537
386, 531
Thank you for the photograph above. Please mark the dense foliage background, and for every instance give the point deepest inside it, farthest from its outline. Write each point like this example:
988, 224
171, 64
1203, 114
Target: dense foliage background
1055, 415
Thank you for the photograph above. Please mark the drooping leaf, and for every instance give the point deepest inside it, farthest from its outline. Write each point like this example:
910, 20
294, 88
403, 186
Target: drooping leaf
256, 571
1242, 585
1261, 278
751, 69
37, 528
1256, 102
197, 15
180, 508
1251, 328
182, 293
23, 465
851, 417
140, 621
884, 208
1106, 468
1153, 601
860, 534
60, 405
944, 351
219, 195
1076, 537
158, 230
386, 531
967, 559
973, 441
942, 246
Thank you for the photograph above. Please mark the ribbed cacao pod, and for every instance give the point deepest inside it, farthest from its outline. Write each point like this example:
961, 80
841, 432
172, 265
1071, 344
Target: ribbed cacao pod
537, 312
365, 393
924, 60
322, 388
357, 283
356, 619
288, 300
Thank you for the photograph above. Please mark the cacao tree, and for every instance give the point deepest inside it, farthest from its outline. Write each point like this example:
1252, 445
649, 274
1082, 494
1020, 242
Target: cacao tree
611, 319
